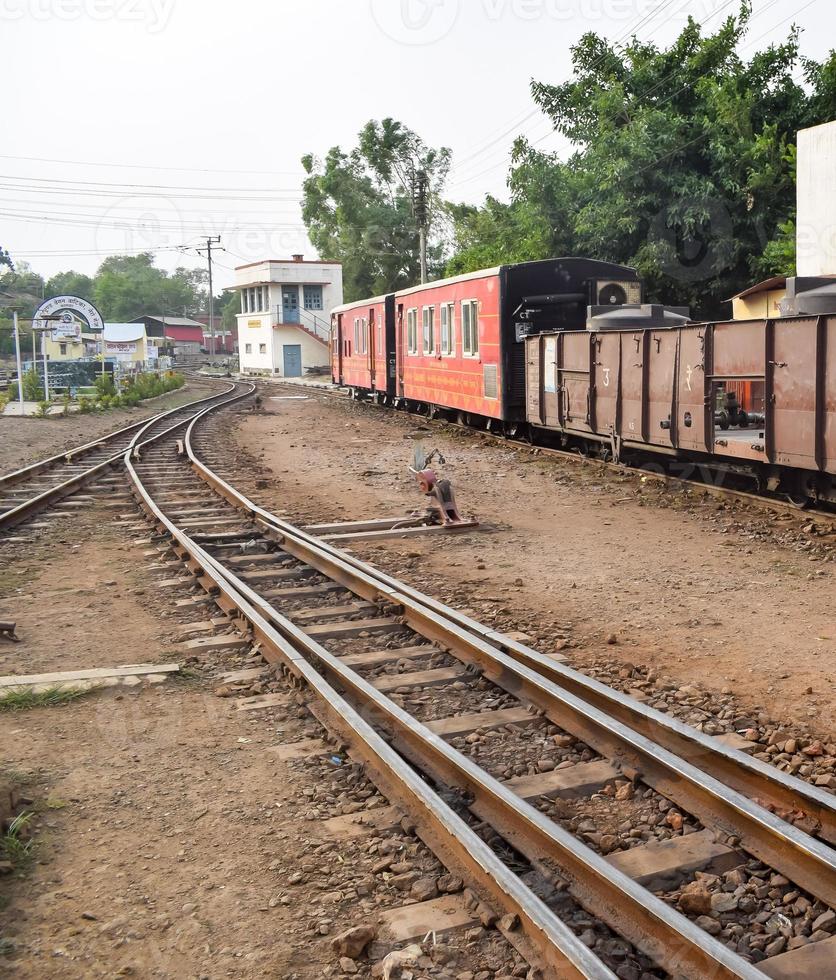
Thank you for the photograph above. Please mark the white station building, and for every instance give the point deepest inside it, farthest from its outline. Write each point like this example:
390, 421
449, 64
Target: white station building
284, 326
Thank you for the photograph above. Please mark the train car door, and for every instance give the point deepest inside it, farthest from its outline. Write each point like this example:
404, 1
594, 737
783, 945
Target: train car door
550, 398
692, 421
661, 378
400, 349
372, 352
338, 340
632, 386
606, 353
791, 372
574, 377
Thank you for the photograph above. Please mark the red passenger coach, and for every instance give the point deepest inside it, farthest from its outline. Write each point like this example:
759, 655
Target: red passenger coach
363, 345
455, 346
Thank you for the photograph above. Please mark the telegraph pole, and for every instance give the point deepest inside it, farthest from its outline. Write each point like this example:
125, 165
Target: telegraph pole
420, 208
19, 363
210, 241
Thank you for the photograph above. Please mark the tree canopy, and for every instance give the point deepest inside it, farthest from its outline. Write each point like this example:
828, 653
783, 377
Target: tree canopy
357, 207
682, 164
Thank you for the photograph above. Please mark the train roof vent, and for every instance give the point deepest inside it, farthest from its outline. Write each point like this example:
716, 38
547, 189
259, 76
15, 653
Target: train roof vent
630, 315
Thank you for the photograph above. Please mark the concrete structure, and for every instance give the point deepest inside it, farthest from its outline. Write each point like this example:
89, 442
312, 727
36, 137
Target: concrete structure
226, 340
816, 199
284, 324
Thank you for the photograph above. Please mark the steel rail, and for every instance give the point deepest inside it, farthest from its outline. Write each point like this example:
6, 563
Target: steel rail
753, 778
664, 934
61, 490
551, 945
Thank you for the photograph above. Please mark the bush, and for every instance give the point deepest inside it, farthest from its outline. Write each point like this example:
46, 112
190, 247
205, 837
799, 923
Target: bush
85, 405
42, 411
5, 398
105, 386
65, 403
32, 390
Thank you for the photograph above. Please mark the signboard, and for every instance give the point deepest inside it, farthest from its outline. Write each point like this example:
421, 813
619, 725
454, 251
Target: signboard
71, 309
254, 323
120, 347
68, 328
152, 352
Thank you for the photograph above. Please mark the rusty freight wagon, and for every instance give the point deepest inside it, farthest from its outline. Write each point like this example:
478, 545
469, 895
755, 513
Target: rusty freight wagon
752, 396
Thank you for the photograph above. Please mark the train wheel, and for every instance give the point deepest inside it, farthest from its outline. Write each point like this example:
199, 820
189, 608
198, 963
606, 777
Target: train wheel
799, 492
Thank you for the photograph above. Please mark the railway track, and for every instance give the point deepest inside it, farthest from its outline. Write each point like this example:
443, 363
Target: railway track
30, 489
427, 697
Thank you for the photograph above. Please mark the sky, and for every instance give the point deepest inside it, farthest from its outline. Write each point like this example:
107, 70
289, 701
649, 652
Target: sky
142, 125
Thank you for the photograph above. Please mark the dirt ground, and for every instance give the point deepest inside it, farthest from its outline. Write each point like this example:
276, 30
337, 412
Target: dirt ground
170, 838
25, 440
593, 562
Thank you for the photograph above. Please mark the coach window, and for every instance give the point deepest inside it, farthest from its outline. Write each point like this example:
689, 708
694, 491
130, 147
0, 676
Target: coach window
429, 329
357, 333
470, 327
364, 335
448, 328
412, 331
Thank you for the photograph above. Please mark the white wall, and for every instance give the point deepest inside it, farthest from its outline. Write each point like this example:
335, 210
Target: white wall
255, 329
816, 197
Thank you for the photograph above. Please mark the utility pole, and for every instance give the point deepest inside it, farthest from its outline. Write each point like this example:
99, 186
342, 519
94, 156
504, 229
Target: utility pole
210, 241
19, 362
421, 210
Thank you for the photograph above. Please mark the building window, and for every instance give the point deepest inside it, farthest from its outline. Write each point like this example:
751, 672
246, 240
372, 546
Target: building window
429, 329
312, 297
248, 348
262, 348
412, 331
470, 327
62, 348
448, 328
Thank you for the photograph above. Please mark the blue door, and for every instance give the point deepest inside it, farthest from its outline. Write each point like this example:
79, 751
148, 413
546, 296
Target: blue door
290, 304
292, 360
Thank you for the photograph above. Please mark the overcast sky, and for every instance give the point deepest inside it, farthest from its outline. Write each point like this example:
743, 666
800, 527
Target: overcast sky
135, 125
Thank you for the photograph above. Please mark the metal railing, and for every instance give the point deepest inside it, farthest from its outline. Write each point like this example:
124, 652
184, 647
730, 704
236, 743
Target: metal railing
318, 326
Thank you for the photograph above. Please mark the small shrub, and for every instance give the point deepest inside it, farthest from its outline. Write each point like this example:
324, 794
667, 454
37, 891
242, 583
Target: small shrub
85, 405
32, 388
42, 411
15, 844
5, 398
65, 404
105, 386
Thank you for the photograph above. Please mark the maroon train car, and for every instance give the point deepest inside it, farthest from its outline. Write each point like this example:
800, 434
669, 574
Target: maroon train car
453, 346
622, 385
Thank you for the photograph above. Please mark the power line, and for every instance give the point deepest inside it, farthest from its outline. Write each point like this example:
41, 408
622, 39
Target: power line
141, 166
131, 186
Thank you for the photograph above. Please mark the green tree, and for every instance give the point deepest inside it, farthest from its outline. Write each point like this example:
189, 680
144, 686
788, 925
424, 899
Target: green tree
21, 288
69, 284
682, 162
228, 305
127, 286
5, 258
357, 208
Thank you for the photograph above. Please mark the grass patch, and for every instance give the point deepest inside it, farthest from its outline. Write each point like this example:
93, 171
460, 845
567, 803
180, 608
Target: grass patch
24, 698
16, 845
